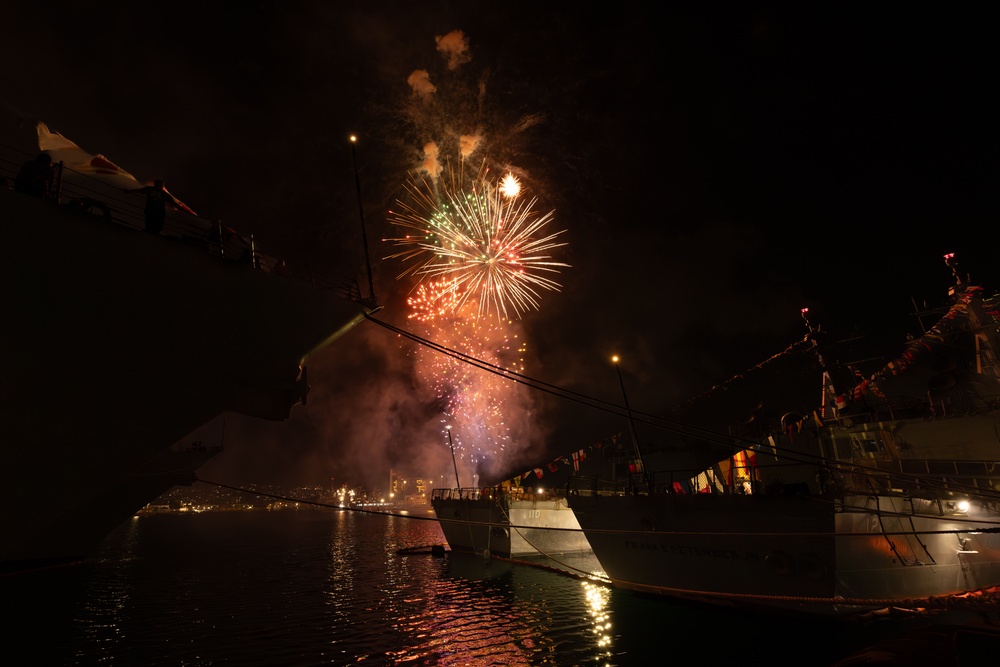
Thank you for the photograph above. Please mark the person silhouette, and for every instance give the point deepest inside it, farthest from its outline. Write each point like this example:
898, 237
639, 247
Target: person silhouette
36, 176
157, 200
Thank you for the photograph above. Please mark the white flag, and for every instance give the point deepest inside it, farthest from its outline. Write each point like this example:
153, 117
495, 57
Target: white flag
101, 168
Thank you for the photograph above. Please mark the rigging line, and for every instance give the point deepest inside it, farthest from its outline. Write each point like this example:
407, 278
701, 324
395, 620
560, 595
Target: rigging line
517, 529
713, 437
594, 577
788, 350
589, 401
638, 532
951, 601
514, 376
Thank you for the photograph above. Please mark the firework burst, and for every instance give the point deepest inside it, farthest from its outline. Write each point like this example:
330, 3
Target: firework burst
485, 240
433, 300
472, 398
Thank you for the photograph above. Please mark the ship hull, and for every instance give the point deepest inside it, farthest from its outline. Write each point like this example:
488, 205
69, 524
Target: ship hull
881, 496
116, 345
796, 553
498, 523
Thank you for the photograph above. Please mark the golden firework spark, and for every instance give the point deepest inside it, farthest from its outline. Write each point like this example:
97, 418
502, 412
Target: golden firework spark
486, 240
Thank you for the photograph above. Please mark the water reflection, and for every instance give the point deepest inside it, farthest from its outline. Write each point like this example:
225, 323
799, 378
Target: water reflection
481, 612
597, 600
306, 588
105, 605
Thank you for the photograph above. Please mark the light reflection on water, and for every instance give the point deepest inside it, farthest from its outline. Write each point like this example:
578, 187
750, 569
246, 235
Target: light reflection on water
458, 610
315, 587
305, 587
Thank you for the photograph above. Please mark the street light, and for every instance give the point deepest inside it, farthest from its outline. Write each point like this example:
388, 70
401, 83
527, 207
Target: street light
453, 462
631, 425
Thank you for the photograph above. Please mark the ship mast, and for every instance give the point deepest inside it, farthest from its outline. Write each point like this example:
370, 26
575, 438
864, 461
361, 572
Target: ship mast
631, 428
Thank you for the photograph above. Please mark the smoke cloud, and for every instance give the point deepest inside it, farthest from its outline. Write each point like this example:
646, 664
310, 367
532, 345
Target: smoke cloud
420, 82
431, 164
454, 48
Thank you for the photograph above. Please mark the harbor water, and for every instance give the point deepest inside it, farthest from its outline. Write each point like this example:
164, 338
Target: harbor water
309, 587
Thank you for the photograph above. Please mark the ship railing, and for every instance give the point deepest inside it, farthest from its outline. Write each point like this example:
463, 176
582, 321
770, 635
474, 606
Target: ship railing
465, 493
590, 485
750, 479
868, 409
910, 478
923, 478
536, 494
87, 194
497, 493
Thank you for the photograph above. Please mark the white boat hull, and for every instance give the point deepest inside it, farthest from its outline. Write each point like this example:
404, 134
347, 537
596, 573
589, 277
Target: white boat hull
500, 524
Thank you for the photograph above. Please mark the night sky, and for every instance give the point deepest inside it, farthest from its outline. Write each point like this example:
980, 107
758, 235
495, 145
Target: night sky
716, 170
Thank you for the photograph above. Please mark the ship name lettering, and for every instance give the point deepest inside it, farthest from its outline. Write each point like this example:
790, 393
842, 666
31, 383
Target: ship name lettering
641, 546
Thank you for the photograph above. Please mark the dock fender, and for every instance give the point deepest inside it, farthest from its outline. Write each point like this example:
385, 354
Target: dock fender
780, 563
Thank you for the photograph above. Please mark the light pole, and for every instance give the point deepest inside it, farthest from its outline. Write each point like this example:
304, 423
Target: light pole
453, 462
361, 211
631, 426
